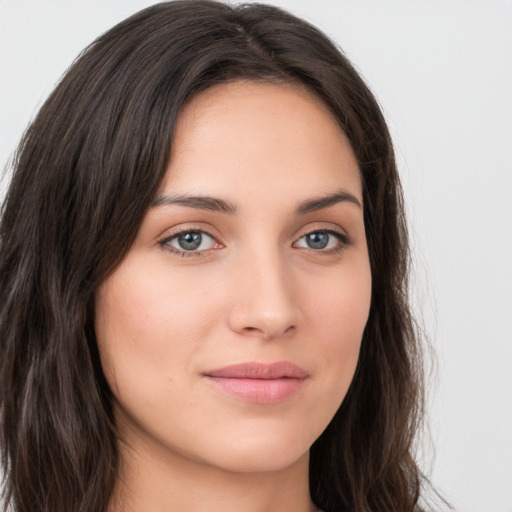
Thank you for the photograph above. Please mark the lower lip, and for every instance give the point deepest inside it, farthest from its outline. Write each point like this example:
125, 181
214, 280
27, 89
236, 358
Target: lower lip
260, 391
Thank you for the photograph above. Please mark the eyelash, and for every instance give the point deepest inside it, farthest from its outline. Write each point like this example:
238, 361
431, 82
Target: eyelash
343, 242
183, 253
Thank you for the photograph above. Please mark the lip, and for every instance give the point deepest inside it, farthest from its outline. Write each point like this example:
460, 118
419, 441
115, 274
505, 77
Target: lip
260, 383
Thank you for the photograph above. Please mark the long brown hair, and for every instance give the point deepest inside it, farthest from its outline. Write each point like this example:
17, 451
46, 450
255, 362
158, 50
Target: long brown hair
85, 173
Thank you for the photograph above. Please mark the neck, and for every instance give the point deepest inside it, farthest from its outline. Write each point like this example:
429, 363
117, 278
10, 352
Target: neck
155, 481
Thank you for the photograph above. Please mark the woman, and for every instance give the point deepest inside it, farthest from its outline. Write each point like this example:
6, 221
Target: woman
203, 279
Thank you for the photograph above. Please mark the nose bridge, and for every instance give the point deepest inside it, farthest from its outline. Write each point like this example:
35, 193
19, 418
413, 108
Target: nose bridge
265, 302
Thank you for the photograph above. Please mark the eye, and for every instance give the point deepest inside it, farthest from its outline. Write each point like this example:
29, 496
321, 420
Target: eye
189, 241
322, 240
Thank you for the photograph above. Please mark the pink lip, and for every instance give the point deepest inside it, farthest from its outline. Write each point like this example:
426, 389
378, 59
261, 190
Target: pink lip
259, 382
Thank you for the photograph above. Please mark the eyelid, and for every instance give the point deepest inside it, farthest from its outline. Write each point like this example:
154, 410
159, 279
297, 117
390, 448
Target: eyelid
164, 240
325, 226
343, 238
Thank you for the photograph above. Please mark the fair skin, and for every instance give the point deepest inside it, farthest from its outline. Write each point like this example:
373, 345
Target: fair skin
259, 273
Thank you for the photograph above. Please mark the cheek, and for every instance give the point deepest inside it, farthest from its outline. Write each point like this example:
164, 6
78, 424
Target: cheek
340, 308
347, 317
150, 326
339, 317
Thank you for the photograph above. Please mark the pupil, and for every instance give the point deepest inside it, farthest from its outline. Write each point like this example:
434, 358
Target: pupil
190, 241
317, 240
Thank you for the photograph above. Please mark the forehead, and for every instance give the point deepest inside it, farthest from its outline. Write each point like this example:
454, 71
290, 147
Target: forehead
260, 136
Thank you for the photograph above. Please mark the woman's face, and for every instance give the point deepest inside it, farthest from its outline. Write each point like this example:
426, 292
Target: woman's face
230, 332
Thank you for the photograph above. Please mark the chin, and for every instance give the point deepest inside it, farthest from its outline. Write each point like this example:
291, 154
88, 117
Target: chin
266, 452
262, 460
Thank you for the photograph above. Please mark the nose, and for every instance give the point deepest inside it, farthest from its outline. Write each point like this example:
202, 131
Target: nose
265, 303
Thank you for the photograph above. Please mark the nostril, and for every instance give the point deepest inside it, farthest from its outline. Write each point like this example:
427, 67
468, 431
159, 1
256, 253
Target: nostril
268, 334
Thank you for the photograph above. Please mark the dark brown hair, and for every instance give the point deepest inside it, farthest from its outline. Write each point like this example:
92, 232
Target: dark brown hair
85, 173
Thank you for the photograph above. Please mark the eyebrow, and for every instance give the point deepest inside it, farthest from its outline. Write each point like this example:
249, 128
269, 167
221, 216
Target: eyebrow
201, 202
222, 206
340, 196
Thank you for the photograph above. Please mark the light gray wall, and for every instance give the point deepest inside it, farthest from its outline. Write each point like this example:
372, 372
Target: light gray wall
443, 74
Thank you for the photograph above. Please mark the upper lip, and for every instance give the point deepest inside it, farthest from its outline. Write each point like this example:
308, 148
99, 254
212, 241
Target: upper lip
255, 370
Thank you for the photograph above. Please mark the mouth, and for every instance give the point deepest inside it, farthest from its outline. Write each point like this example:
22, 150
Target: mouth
259, 382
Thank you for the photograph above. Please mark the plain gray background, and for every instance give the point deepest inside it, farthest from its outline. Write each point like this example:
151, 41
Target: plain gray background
442, 72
